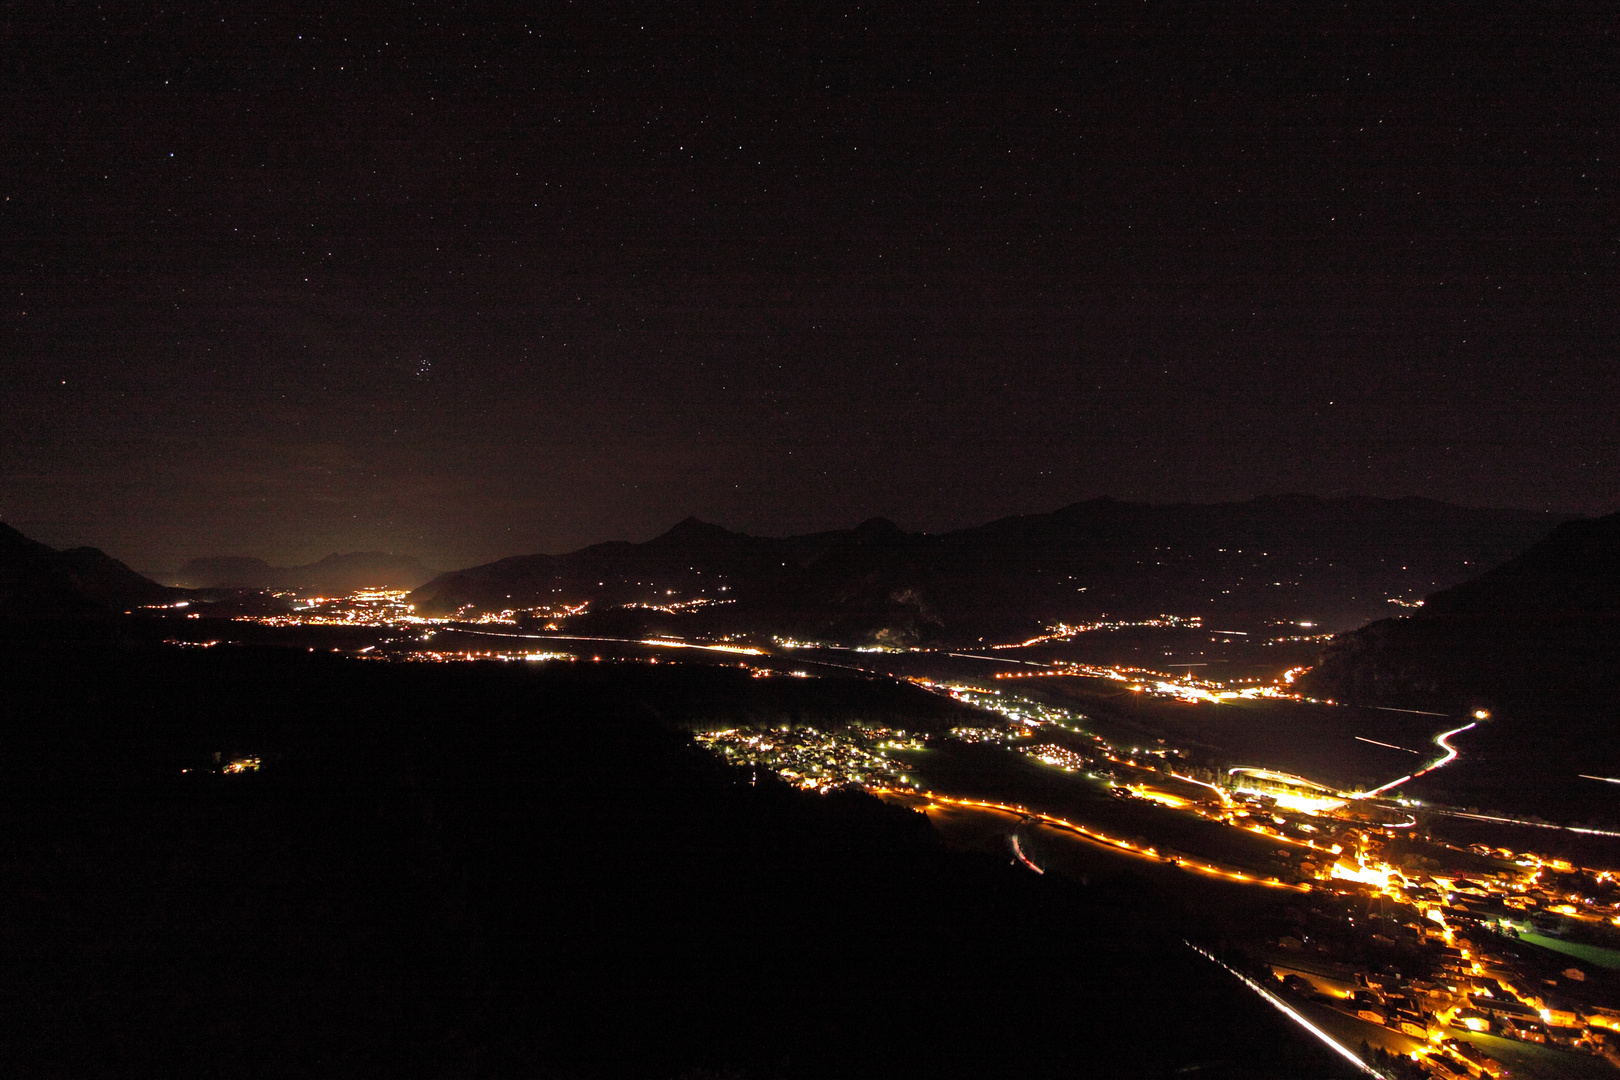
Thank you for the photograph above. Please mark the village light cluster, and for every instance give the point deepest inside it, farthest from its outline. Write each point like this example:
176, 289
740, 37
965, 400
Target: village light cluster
817, 760
1053, 754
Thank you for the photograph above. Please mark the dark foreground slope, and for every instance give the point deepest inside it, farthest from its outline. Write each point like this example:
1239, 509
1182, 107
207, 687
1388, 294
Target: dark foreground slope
1336, 562
1535, 642
36, 579
489, 871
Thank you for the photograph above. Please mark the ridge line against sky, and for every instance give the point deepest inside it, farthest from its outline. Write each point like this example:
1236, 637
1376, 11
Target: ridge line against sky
1273, 498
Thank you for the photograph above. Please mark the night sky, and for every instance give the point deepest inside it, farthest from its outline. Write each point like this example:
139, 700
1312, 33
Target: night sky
465, 284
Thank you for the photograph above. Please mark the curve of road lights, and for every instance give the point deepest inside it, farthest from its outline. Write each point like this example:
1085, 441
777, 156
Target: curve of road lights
1064, 825
1329, 799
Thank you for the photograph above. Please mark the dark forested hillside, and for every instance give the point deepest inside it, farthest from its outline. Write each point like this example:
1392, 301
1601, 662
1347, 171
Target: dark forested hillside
1535, 642
1541, 628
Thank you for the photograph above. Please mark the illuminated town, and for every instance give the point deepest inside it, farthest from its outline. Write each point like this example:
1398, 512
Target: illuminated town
367, 607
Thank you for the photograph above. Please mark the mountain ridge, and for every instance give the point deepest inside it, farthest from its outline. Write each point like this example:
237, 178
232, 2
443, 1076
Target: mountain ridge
1542, 625
37, 579
1343, 559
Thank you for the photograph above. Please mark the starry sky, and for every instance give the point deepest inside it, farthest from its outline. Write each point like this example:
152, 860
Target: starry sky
466, 282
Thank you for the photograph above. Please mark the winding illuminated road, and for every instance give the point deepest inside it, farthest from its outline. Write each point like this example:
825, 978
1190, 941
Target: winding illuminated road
1451, 754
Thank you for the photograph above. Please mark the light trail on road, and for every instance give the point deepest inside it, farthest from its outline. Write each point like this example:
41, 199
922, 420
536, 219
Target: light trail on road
1391, 745
1225, 798
1452, 753
1019, 851
1495, 820
1381, 790
995, 659
1293, 1014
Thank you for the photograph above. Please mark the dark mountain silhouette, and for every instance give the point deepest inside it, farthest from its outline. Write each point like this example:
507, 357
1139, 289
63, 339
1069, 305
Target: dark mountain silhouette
1541, 628
1335, 561
36, 579
1535, 643
335, 573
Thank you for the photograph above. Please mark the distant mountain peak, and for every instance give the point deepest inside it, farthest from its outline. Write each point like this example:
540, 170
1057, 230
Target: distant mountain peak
692, 529
1100, 502
1288, 499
